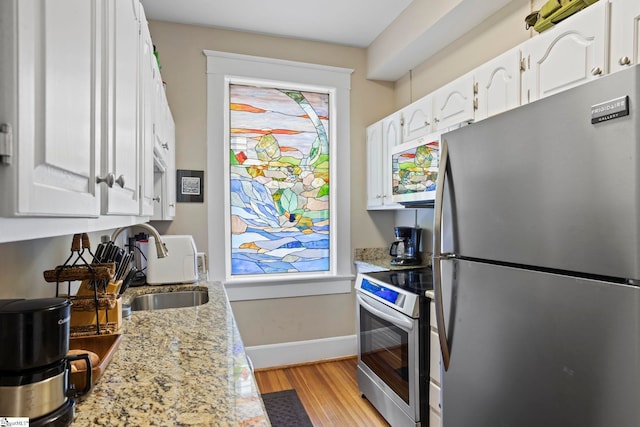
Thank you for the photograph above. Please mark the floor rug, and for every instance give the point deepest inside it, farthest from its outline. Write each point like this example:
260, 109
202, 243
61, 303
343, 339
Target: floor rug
285, 409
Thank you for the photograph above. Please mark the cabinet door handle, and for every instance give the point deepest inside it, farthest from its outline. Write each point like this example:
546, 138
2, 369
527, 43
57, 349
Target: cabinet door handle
596, 71
109, 180
156, 199
120, 181
165, 145
625, 60
6, 143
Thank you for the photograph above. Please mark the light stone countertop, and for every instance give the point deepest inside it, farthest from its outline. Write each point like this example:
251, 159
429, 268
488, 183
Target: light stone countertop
378, 259
177, 367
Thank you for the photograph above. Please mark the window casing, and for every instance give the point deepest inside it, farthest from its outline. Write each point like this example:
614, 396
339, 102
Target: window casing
225, 70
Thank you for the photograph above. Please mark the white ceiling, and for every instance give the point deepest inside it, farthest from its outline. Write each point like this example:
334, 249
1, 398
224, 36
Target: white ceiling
346, 22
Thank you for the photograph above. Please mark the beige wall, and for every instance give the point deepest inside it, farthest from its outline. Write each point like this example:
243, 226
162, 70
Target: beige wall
22, 265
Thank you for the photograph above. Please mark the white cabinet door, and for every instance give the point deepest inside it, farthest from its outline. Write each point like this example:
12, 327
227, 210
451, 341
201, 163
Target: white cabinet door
159, 189
170, 194
453, 104
49, 86
435, 420
121, 130
382, 136
374, 166
568, 55
625, 34
165, 170
391, 137
498, 83
417, 119
147, 115
435, 407
434, 358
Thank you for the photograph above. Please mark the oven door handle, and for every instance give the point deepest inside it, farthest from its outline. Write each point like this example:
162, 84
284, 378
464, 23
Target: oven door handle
404, 323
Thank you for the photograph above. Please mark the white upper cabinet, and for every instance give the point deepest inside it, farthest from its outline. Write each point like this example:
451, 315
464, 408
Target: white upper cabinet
121, 132
49, 77
450, 105
165, 161
625, 34
147, 115
374, 165
571, 53
78, 101
498, 84
382, 136
170, 191
454, 103
391, 137
417, 118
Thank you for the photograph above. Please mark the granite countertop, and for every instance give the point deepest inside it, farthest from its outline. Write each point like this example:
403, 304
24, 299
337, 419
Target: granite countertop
177, 367
378, 259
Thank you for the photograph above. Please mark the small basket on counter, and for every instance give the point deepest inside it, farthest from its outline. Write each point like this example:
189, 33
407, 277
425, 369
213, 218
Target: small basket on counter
96, 308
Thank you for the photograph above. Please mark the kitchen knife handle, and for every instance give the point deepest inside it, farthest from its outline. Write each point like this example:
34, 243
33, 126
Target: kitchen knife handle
438, 255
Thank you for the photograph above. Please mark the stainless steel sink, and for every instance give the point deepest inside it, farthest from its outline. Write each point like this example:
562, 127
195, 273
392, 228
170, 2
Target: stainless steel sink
159, 301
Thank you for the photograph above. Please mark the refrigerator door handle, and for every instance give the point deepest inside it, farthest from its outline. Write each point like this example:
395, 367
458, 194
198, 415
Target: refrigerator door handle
438, 256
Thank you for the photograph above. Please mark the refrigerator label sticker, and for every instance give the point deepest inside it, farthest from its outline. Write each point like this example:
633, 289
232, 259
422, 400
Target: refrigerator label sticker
609, 110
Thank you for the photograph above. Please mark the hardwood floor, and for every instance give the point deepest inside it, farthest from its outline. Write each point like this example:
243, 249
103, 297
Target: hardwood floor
328, 391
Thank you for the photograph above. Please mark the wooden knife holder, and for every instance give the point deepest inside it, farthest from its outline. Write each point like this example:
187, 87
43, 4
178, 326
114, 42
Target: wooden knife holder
84, 316
96, 308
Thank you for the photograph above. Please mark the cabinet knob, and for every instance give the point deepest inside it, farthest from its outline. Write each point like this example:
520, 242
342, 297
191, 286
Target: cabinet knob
172, 204
596, 71
165, 145
109, 179
625, 60
156, 199
120, 181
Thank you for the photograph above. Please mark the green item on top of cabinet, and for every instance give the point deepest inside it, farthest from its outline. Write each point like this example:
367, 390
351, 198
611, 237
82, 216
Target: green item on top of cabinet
549, 7
155, 53
554, 11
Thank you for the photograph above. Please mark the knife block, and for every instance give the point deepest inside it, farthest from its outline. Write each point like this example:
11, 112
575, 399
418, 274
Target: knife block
83, 311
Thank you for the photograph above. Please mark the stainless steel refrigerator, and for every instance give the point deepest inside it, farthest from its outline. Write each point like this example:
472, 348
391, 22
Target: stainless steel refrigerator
537, 262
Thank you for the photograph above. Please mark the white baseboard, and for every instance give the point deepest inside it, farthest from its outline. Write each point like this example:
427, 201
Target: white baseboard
292, 353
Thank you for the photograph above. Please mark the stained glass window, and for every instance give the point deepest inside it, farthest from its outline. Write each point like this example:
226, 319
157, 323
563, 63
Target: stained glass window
279, 180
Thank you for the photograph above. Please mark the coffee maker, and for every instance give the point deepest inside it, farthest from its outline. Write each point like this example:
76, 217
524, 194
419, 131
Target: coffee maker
34, 365
406, 248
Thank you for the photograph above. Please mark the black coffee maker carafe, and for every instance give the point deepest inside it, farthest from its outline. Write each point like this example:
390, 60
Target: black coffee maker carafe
406, 248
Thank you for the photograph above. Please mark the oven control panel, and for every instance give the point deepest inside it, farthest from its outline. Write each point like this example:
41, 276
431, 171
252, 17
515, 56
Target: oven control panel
397, 298
389, 295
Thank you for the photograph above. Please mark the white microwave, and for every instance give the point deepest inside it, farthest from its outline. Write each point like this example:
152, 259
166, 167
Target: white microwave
414, 170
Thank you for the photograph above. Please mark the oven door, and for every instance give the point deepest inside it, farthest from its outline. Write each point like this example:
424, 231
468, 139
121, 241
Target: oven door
388, 352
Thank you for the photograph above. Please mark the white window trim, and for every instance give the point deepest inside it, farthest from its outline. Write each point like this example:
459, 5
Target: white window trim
222, 68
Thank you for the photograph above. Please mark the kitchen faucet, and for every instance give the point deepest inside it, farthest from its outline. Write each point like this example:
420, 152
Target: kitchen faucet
161, 249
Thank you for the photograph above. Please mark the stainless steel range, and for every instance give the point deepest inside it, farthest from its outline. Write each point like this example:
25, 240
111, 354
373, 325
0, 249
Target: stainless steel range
393, 348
